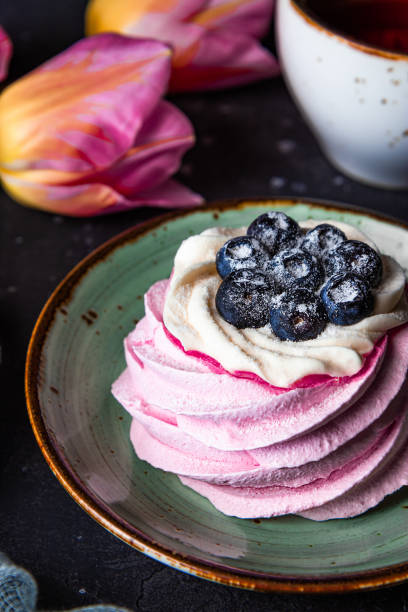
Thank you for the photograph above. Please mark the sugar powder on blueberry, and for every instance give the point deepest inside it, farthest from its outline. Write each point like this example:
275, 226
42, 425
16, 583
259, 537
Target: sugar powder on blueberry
295, 281
275, 230
295, 268
322, 239
242, 252
357, 257
297, 315
347, 298
243, 299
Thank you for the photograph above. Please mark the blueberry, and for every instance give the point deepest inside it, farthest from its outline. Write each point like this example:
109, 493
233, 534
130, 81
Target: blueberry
275, 230
347, 299
295, 268
322, 238
239, 253
297, 315
243, 299
357, 257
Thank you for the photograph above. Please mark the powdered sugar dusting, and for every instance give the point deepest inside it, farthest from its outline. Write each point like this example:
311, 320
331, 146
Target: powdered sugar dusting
345, 292
280, 221
297, 269
241, 251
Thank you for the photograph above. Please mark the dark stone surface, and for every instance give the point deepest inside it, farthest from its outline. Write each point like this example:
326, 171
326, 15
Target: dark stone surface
250, 141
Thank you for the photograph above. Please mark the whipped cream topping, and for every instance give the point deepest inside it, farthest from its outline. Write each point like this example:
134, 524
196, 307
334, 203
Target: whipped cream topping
191, 316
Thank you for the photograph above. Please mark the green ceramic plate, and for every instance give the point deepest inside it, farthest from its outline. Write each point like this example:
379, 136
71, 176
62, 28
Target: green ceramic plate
76, 353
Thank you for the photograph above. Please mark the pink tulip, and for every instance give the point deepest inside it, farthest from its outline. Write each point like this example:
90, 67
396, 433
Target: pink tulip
88, 132
6, 49
215, 42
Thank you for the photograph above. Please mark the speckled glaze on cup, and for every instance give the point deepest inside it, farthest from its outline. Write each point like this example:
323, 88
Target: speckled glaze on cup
76, 352
353, 96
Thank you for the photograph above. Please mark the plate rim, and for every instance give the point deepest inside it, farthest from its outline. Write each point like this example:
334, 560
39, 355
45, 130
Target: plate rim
346, 582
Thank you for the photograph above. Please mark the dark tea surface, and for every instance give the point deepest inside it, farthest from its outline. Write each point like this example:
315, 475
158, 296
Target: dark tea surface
381, 23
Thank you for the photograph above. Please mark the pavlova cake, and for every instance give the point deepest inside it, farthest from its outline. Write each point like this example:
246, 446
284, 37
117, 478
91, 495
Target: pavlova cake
269, 372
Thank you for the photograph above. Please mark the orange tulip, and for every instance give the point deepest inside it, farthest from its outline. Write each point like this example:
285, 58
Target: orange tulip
88, 132
215, 42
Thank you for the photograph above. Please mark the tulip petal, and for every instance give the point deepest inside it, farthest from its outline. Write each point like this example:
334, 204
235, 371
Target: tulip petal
87, 133
170, 194
156, 153
6, 49
82, 110
249, 17
215, 42
224, 59
182, 36
104, 15
96, 199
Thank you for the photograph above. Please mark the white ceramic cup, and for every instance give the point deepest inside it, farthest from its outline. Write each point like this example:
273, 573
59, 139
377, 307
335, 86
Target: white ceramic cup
353, 96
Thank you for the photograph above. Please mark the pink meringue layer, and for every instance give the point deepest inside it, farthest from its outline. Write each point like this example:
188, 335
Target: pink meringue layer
249, 502
256, 450
235, 412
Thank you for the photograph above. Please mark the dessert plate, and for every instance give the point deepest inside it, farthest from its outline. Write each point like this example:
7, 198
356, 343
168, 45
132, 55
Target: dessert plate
76, 352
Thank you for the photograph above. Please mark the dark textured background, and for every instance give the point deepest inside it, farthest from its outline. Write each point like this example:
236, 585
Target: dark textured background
250, 142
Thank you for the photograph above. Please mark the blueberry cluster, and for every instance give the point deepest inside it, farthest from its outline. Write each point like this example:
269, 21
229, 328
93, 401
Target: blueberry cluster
295, 281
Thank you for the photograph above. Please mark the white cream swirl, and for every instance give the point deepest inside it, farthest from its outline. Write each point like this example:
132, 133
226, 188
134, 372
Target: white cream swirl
191, 316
